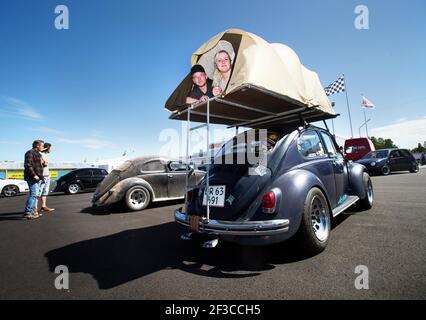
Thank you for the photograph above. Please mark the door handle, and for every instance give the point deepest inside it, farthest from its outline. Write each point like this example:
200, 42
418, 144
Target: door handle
170, 175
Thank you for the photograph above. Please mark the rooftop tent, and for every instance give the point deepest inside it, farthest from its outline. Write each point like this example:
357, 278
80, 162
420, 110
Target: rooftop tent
268, 86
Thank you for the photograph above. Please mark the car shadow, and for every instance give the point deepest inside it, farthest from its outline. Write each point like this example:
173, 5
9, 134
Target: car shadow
119, 208
129, 255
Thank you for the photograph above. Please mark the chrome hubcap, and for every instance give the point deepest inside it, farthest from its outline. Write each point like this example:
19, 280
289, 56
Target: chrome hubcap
319, 219
10, 191
74, 188
385, 170
138, 198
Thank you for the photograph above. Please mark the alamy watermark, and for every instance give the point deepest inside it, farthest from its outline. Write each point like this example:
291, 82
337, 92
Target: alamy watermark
62, 281
362, 281
362, 20
62, 21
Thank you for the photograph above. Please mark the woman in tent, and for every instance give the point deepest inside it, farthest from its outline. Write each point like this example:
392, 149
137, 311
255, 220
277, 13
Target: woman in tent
222, 73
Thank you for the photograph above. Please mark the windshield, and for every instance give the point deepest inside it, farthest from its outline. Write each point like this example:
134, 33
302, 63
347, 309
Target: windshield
377, 154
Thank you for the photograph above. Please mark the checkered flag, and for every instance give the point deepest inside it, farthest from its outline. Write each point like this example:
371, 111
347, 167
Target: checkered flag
336, 87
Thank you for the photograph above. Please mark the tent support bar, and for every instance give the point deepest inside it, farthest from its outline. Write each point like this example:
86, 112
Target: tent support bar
267, 119
218, 117
326, 126
238, 105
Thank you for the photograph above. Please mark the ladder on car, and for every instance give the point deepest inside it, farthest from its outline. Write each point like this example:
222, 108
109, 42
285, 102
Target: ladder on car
189, 129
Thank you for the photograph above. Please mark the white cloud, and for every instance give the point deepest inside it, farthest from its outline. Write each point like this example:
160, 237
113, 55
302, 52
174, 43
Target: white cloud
49, 131
87, 143
405, 134
13, 107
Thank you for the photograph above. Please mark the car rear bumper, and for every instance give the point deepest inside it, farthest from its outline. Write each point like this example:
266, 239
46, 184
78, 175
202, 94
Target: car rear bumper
236, 228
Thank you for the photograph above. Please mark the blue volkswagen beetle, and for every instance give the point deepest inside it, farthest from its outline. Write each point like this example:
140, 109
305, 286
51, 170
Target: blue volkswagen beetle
301, 187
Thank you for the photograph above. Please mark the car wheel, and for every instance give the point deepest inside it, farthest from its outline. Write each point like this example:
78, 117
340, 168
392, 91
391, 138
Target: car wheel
415, 168
367, 202
137, 198
386, 170
73, 188
10, 190
314, 231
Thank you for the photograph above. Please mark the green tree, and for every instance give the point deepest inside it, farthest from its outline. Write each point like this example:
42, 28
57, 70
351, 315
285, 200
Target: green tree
420, 148
381, 143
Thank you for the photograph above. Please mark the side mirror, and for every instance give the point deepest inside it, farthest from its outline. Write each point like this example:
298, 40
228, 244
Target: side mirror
349, 150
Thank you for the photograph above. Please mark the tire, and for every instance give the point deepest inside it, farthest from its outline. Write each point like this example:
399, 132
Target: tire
137, 198
10, 191
386, 170
415, 168
313, 234
73, 188
367, 202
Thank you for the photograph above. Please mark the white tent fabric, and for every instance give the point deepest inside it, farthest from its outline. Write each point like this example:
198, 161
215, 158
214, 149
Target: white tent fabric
273, 67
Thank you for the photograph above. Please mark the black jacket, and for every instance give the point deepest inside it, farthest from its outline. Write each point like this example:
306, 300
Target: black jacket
33, 165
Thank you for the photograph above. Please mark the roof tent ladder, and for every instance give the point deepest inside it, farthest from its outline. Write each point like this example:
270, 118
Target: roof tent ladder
208, 162
188, 129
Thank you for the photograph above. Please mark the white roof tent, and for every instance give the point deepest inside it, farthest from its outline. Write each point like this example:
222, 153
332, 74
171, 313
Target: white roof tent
268, 86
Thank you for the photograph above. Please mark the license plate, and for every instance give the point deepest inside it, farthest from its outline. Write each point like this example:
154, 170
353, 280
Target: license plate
216, 196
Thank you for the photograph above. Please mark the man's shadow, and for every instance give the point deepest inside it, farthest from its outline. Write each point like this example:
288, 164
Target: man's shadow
129, 255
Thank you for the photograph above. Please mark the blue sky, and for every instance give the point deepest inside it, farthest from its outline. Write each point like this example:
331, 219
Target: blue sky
99, 88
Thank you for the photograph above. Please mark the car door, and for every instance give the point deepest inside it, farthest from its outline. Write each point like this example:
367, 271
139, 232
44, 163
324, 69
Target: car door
311, 148
406, 160
176, 175
339, 168
395, 160
154, 172
84, 177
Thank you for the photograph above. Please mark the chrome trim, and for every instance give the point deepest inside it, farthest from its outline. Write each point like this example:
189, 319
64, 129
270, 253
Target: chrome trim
346, 204
237, 228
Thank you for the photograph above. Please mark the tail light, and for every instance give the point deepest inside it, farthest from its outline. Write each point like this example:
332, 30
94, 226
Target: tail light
189, 196
270, 201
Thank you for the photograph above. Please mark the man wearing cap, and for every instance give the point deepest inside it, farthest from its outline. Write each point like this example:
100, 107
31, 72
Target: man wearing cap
203, 86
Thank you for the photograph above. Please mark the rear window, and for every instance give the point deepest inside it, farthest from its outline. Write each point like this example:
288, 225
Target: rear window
156, 166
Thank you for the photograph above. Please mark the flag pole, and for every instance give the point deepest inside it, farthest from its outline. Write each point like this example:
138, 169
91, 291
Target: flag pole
347, 103
365, 119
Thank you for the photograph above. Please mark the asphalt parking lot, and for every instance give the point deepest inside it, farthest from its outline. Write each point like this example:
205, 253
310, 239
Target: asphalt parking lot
113, 254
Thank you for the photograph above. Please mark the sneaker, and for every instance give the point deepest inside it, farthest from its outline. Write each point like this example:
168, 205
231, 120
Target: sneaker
47, 209
31, 216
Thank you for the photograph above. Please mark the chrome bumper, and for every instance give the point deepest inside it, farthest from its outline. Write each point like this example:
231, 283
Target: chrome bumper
237, 228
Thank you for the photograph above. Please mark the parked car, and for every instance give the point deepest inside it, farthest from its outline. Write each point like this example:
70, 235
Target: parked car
358, 148
304, 186
140, 181
420, 157
385, 161
80, 179
12, 187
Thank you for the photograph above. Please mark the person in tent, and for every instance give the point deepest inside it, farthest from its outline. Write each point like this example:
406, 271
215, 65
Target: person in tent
203, 86
222, 73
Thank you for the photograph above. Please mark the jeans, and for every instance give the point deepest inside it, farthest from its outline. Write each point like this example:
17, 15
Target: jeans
33, 185
44, 186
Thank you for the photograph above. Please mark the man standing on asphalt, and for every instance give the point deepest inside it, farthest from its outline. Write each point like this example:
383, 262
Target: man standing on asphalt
33, 173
